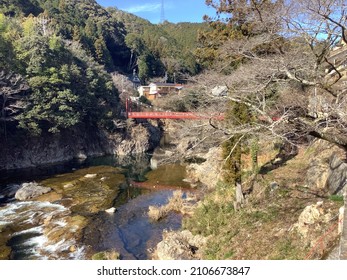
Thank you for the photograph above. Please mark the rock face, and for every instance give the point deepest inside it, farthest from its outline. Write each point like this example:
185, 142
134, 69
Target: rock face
207, 172
31, 190
326, 171
337, 179
23, 151
140, 140
317, 174
180, 246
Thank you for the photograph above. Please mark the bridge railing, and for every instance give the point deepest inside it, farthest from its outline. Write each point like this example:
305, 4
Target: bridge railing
173, 115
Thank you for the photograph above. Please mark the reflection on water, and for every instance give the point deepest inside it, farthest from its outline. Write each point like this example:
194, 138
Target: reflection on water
129, 230
24, 226
135, 167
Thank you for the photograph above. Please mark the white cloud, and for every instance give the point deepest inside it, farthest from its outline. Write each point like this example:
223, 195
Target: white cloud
144, 8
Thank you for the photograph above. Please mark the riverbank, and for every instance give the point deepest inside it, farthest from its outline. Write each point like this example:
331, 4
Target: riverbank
292, 201
288, 209
25, 151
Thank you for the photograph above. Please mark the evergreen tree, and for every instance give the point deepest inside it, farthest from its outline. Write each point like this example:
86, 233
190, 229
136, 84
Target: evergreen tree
238, 114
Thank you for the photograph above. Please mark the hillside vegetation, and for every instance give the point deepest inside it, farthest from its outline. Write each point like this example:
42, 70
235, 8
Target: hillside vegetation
279, 69
161, 49
56, 57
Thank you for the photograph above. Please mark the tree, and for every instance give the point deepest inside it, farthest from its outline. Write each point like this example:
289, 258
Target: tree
102, 54
238, 114
13, 88
282, 68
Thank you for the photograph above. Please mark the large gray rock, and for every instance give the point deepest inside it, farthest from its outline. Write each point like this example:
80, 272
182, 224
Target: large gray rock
327, 173
31, 190
337, 179
208, 172
317, 174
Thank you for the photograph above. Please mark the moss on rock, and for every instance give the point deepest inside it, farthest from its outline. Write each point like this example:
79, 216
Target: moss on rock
88, 195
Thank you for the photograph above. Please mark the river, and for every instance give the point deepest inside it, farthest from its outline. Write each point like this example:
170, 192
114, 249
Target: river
71, 223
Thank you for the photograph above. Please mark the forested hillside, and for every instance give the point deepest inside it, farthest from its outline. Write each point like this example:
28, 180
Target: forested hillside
48, 82
157, 49
56, 57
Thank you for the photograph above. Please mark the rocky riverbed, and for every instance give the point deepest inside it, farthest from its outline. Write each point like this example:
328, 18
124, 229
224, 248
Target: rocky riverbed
68, 215
50, 224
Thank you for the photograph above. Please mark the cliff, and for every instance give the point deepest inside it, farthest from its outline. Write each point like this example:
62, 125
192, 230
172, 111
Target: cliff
24, 151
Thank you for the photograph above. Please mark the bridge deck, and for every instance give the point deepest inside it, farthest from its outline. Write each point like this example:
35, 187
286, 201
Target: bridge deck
172, 115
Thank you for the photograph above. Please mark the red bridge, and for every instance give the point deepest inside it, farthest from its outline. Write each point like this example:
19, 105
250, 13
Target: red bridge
170, 115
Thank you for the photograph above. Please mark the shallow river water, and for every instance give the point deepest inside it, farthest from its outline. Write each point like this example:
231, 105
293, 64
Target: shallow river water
70, 222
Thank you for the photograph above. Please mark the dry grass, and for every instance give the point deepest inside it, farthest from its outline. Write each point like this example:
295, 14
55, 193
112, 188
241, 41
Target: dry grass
155, 213
264, 228
176, 203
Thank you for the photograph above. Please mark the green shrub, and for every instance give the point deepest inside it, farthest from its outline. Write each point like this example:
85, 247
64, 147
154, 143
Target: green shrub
336, 197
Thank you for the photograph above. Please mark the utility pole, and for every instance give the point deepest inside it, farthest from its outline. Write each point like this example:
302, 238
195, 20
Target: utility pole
162, 15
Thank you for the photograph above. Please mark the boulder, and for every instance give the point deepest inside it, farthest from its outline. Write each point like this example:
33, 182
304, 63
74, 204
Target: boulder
180, 246
207, 172
311, 218
31, 190
310, 215
317, 174
337, 179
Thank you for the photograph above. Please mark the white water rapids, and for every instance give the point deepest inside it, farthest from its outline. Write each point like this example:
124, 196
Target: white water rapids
32, 222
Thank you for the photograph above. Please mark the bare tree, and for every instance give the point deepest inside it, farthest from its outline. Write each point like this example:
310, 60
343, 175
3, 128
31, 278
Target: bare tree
286, 71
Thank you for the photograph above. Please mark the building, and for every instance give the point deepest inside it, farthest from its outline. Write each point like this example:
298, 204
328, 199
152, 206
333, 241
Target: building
144, 91
135, 80
155, 90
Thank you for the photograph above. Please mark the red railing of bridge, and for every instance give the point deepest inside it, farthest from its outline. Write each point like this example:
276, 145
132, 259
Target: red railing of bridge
183, 115
172, 115
169, 115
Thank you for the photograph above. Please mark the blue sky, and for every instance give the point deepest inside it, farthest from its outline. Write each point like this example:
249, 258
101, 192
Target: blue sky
175, 10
